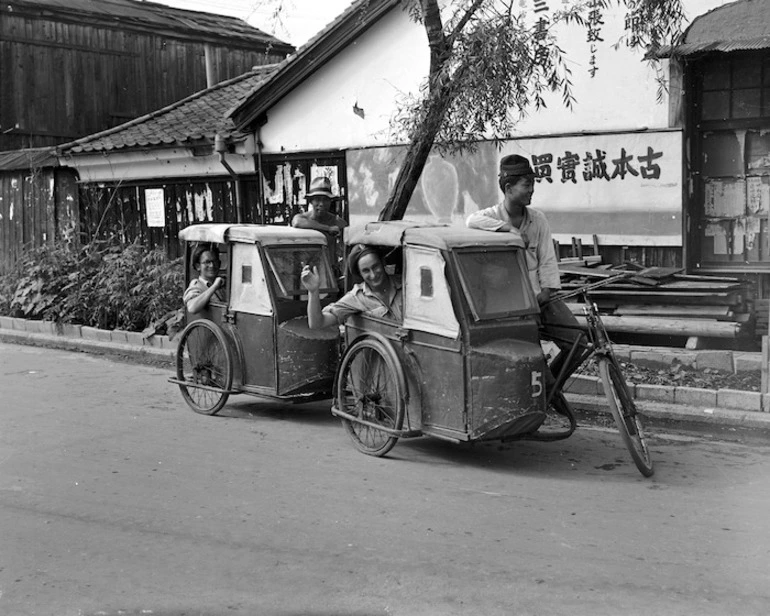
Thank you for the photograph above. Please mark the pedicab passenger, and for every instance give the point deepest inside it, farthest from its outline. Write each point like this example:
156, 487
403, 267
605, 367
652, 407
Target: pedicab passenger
209, 284
517, 181
375, 293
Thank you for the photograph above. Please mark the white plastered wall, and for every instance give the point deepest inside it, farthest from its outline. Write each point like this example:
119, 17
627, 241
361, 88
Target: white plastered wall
392, 58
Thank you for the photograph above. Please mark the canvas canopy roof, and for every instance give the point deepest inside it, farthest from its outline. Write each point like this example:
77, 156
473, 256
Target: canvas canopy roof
444, 237
250, 234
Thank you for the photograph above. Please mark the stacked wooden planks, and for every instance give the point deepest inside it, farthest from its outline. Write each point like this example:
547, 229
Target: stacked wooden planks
664, 301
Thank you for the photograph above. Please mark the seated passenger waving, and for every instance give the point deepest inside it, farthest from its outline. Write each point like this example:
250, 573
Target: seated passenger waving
207, 286
375, 293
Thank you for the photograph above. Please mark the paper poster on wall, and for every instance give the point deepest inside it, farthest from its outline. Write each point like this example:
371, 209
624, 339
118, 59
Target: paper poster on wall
725, 198
758, 194
154, 202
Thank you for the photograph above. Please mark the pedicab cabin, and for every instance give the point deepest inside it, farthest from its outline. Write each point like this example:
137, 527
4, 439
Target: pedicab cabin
256, 339
465, 363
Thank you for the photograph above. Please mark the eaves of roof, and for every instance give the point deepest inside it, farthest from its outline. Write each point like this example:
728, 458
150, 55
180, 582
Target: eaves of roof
197, 118
295, 69
738, 26
149, 16
30, 158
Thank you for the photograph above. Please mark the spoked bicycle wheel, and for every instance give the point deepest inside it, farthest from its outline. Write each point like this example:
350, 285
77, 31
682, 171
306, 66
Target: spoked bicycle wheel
203, 360
624, 411
369, 387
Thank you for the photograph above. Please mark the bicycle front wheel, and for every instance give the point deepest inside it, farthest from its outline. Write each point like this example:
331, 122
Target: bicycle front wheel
624, 412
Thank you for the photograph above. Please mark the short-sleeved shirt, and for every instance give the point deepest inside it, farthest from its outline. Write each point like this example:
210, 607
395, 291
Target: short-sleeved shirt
541, 257
361, 300
198, 286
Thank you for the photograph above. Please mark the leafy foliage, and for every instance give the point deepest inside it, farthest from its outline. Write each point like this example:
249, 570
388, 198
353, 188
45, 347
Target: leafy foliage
488, 68
104, 284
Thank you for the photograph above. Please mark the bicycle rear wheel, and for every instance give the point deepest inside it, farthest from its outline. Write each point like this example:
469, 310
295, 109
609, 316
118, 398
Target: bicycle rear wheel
624, 411
369, 387
203, 361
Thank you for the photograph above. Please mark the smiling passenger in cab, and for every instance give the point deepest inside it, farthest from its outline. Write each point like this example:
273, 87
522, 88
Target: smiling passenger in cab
209, 285
375, 292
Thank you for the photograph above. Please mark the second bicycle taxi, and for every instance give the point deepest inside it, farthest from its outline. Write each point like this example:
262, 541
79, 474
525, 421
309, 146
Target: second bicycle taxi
466, 363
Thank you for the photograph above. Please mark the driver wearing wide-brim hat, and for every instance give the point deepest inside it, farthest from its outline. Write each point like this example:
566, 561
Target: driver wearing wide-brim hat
318, 216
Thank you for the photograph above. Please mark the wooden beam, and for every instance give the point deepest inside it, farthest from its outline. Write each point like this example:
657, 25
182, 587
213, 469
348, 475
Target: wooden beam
672, 327
658, 310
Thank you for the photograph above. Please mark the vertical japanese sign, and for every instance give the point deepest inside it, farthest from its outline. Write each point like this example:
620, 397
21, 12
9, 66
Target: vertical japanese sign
541, 32
594, 24
155, 207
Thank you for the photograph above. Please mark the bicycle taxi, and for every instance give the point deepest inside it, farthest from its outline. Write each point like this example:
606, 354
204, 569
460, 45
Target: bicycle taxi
258, 341
465, 364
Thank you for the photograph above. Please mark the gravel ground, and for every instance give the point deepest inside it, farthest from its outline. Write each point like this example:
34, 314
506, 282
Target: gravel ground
680, 376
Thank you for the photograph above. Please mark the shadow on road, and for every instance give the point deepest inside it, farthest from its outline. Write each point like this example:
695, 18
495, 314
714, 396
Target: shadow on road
311, 413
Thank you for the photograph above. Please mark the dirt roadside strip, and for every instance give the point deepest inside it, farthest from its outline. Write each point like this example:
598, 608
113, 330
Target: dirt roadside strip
661, 404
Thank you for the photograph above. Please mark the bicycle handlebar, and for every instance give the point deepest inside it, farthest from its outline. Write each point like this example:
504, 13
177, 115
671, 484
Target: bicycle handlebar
587, 287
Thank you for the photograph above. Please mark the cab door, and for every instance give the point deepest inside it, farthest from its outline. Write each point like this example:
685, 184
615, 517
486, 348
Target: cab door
252, 314
433, 355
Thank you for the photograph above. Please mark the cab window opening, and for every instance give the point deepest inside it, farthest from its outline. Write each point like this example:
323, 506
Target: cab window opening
495, 283
426, 282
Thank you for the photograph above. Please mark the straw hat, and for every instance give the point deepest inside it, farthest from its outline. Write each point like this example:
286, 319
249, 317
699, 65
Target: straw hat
320, 187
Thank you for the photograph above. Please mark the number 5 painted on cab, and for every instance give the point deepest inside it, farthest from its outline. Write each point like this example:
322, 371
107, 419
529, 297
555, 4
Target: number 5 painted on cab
537, 383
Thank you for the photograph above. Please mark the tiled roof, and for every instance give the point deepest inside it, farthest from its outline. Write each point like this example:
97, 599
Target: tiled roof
200, 116
738, 26
148, 16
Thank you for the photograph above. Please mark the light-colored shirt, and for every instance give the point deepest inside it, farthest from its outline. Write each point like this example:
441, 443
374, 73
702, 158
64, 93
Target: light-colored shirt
360, 299
198, 286
536, 234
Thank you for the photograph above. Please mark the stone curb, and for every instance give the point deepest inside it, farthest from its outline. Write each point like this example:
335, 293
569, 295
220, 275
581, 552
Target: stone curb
98, 345
658, 414
734, 399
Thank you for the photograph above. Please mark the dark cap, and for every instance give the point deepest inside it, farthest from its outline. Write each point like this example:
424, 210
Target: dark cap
356, 253
514, 165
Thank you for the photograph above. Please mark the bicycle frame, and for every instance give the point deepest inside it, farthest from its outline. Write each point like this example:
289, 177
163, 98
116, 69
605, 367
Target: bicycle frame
597, 341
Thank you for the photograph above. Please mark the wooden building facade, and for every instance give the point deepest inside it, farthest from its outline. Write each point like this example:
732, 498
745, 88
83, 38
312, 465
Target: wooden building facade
71, 69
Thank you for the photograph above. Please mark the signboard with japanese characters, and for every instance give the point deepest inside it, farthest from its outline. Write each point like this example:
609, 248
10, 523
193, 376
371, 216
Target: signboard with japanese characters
626, 188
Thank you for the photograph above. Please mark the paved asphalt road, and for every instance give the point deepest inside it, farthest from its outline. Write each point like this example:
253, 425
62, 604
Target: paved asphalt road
116, 499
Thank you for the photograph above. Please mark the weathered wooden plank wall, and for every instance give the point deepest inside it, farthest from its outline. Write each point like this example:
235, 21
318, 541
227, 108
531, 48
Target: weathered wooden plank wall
121, 210
35, 208
63, 80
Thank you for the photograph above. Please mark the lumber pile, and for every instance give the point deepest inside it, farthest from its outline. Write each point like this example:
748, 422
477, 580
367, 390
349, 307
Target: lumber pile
663, 301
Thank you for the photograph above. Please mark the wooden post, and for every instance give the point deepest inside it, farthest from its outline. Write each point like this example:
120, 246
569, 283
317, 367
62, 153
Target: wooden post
765, 385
